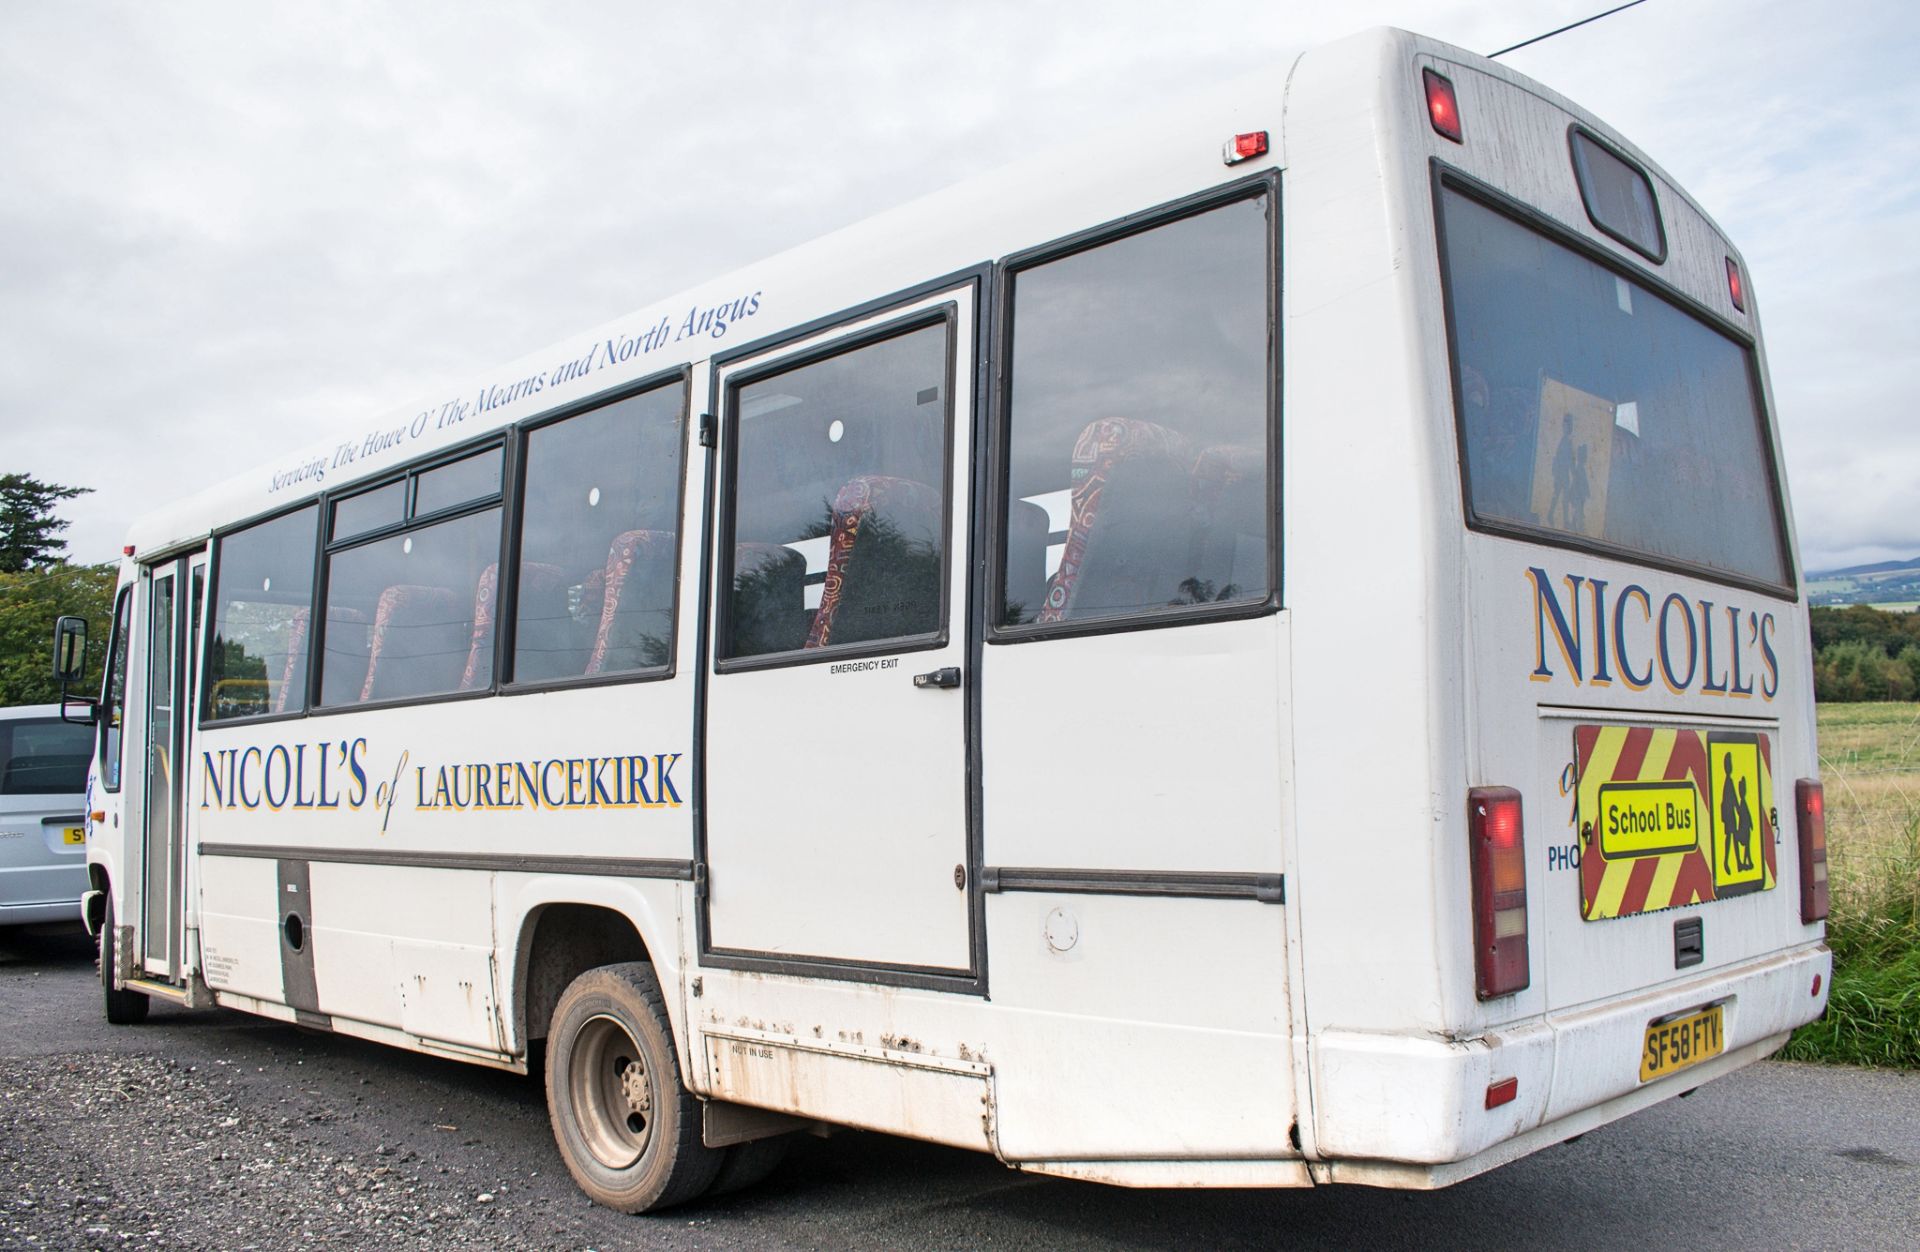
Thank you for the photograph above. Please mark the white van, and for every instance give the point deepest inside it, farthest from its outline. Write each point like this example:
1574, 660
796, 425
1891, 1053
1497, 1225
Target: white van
43, 837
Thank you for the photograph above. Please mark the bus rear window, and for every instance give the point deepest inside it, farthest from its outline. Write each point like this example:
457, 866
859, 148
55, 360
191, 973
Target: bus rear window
1596, 412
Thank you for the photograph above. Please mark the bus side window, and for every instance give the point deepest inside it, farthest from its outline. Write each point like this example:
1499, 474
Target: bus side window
263, 597
839, 499
114, 705
1137, 423
599, 540
410, 613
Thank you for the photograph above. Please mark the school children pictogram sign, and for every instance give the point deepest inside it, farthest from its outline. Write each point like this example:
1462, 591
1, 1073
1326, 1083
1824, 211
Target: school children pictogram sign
1670, 818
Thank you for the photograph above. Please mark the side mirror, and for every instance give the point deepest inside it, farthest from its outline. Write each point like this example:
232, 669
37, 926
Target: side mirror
70, 666
70, 649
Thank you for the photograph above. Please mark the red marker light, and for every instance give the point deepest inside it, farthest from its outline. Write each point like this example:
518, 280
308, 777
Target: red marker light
1735, 288
127, 551
1244, 147
1502, 1092
1442, 108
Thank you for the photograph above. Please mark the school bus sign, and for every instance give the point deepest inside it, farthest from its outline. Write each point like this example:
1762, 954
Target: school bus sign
1670, 818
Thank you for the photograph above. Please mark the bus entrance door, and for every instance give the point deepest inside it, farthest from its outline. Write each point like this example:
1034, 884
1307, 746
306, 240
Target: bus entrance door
834, 757
175, 591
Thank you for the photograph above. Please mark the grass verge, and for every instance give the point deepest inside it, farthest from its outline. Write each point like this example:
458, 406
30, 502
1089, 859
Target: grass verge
1870, 763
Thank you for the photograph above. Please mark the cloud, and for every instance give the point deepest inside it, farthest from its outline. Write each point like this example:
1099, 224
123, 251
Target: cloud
228, 232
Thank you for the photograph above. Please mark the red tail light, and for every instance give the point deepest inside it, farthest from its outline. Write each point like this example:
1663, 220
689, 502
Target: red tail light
1442, 108
1810, 799
1736, 290
1499, 857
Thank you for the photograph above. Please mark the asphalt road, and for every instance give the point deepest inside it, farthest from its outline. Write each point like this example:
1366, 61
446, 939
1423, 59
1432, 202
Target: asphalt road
213, 1129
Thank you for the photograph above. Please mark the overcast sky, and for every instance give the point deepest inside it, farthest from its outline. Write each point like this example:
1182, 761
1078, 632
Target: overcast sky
226, 230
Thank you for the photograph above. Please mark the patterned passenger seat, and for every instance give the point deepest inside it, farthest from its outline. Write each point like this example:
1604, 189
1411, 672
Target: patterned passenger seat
883, 563
420, 640
1229, 521
767, 611
1026, 560
346, 637
1128, 539
543, 603
636, 616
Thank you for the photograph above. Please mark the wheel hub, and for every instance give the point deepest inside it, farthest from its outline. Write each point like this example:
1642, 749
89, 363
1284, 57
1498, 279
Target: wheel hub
634, 1084
612, 1090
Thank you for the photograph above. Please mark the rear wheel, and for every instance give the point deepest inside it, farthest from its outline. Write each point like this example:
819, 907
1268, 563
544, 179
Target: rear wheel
626, 1125
124, 1008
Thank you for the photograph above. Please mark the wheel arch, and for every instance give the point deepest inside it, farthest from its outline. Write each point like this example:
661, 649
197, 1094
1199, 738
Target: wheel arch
565, 927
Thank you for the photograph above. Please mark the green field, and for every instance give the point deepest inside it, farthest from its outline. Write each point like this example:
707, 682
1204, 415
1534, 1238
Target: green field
1870, 764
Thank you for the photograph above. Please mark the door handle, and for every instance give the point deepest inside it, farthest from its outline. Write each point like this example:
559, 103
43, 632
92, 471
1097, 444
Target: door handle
948, 677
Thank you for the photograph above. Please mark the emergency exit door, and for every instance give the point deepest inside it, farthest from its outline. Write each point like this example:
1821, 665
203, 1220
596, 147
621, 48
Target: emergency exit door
835, 749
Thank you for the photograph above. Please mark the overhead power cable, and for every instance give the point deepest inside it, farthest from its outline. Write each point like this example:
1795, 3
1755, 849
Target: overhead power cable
1564, 29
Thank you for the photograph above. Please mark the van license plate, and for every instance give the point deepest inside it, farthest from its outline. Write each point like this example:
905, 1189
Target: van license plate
1673, 1045
74, 834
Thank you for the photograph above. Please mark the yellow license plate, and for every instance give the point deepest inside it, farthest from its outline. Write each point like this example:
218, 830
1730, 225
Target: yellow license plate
1673, 1045
74, 834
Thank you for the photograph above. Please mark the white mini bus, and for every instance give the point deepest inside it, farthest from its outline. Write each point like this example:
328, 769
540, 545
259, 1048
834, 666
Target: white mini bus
1264, 650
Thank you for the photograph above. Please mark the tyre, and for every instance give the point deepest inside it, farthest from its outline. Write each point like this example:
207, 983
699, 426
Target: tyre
745, 1164
625, 1123
124, 1008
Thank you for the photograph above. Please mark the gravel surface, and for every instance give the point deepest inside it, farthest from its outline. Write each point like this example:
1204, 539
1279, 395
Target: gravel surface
145, 1151
216, 1130
160, 1155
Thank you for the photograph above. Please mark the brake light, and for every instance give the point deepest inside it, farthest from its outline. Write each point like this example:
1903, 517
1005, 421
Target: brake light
1245, 147
1736, 291
1810, 798
1499, 859
1443, 109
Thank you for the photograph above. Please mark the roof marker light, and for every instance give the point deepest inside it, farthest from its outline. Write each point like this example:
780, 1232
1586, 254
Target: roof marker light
127, 551
1443, 109
1735, 288
1244, 147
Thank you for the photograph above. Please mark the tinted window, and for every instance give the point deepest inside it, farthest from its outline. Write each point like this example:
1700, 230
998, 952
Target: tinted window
1137, 423
1619, 198
1595, 409
412, 614
114, 712
470, 478
261, 630
44, 757
599, 538
839, 502
370, 510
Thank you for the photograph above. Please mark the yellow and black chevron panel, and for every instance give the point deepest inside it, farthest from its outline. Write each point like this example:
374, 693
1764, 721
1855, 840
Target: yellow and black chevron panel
1671, 817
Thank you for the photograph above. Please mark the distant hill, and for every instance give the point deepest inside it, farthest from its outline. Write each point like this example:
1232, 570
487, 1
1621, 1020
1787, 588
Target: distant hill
1878, 567
1891, 584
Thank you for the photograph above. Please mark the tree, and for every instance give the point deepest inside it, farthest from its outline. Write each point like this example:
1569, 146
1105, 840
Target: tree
29, 532
29, 603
